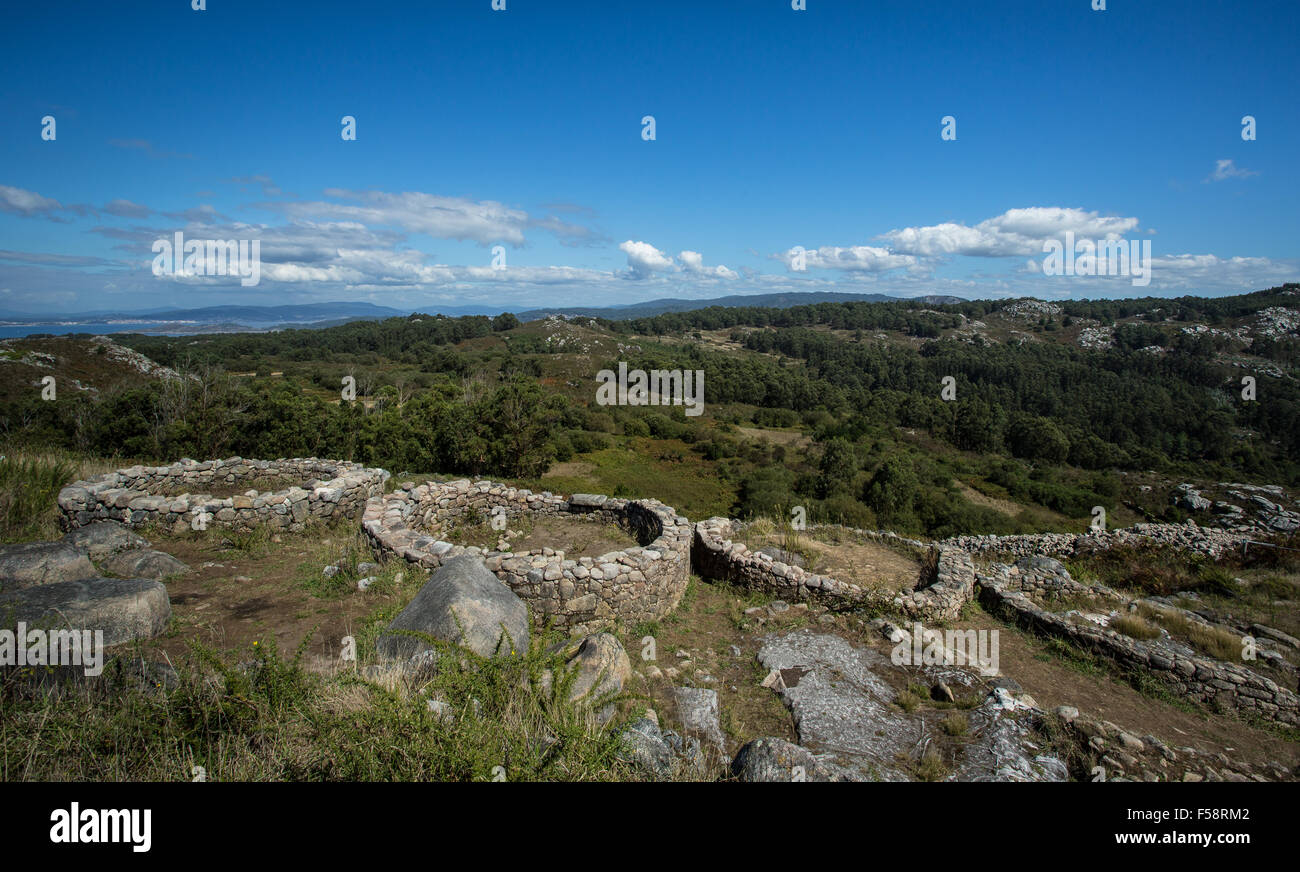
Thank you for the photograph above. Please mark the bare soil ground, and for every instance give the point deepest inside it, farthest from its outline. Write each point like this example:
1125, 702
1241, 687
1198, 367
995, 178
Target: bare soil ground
1006, 507
576, 538
864, 562
235, 596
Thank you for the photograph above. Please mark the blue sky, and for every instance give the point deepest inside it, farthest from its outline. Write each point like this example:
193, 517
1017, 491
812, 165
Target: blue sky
775, 128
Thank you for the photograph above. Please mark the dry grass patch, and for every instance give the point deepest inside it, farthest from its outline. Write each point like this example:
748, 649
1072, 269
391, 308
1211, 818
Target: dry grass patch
1213, 641
1135, 627
839, 554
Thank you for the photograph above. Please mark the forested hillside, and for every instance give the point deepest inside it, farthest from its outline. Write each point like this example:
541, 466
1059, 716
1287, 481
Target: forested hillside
1052, 408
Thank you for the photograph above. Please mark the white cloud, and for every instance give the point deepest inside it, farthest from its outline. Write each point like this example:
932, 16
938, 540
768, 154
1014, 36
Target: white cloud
126, 209
1227, 169
485, 222
19, 201
853, 259
644, 259
1016, 232
693, 264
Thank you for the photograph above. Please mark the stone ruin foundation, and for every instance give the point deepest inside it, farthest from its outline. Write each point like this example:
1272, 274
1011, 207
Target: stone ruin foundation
174, 496
582, 595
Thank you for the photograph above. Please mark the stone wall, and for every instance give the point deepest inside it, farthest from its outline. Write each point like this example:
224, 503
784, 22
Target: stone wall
642, 583
938, 595
173, 496
1215, 682
718, 556
943, 599
1188, 536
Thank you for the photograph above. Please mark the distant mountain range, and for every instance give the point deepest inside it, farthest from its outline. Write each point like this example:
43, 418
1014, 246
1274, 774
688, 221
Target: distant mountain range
219, 314
245, 319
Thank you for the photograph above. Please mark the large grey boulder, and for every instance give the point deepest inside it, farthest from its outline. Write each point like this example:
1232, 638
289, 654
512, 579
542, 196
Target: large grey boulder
1189, 498
36, 563
1045, 565
772, 759
123, 608
465, 604
143, 563
104, 538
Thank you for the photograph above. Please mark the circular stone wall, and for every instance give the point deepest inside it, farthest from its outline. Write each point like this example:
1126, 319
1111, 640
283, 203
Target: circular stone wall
642, 583
940, 590
718, 555
173, 496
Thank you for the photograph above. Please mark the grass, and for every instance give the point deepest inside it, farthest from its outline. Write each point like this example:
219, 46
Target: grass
29, 486
1086, 663
347, 550
270, 719
633, 466
30, 482
1134, 626
956, 724
931, 767
908, 701
779, 531
1213, 641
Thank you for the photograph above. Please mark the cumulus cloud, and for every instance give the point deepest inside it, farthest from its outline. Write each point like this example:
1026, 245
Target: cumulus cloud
693, 263
643, 259
269, 188
854, 258
1014, 233
361, 245
44, 259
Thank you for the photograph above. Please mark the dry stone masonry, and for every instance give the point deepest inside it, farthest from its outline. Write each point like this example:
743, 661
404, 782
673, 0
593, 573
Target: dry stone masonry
719, 556
645, 582
938, 594
1006, 591
586, 594
1210, 541
953, 587
174, 496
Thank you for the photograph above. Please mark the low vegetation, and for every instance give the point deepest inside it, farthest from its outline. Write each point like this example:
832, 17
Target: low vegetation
266, 717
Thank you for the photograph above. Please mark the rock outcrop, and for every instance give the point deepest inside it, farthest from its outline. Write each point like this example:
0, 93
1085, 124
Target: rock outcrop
39, 563
123, 609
